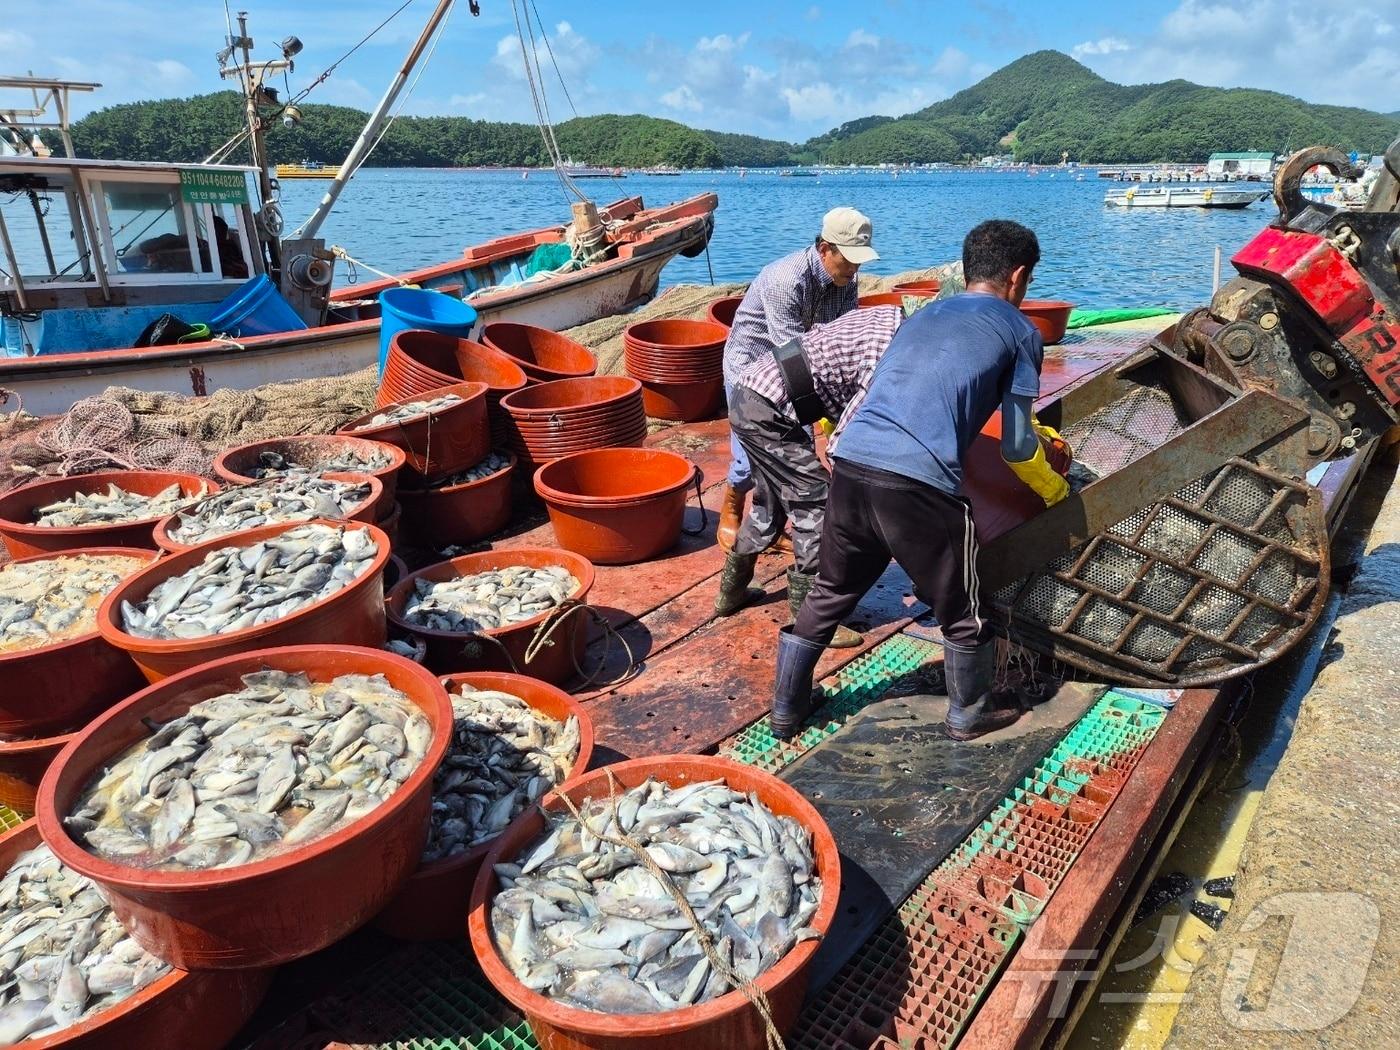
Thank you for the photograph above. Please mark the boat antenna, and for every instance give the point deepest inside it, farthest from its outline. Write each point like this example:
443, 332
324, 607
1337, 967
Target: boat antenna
370, 134
535, 79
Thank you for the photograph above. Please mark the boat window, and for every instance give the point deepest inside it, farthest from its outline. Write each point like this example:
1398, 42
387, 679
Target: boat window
43, 232
147, 230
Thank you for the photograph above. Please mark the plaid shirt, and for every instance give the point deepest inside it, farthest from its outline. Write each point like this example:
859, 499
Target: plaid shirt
841, 355
788, 297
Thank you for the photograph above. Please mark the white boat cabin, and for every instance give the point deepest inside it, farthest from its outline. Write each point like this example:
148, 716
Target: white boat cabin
93, 251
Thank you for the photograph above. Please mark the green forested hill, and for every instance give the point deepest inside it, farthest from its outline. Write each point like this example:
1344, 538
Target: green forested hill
1038, 107
1045, 104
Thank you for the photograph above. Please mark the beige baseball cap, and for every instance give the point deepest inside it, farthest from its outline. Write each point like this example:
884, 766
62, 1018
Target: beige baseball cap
849, 231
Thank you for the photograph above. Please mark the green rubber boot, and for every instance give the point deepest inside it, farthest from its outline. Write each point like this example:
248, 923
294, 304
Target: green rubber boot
734, 580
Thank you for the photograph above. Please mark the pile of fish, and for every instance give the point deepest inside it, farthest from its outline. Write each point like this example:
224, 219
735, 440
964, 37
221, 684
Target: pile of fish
294, 497
492, 464
246, 775
273, 464
504, 755
409, 410
485, 600
116, 506
579, 919
65, 956
235, 588
42, 602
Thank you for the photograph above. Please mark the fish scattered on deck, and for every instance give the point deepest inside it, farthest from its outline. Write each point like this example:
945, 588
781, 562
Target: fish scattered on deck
42, 602
504, 755
410, 410
268, 502
579, 919
63, 955
492, 464
485, 600
116, 506
235, 588
246, 775
274, 464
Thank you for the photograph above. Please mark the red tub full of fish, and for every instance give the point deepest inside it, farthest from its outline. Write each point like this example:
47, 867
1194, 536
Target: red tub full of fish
280, 906
439, 441
310, 452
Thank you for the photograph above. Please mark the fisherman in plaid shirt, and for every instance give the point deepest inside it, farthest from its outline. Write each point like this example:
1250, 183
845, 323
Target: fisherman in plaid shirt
790, 482
789, 296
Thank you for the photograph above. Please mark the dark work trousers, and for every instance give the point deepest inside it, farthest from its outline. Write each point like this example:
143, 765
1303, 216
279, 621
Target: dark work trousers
873, 516
789, 481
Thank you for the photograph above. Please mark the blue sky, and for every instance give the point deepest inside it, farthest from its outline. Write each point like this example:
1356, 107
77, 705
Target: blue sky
775, 67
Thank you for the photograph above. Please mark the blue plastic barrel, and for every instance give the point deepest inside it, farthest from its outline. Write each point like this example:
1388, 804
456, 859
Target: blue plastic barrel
404, 308
257, 308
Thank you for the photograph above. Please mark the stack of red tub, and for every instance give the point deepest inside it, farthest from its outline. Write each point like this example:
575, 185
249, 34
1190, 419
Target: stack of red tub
680, 364
544, 355
574, 415
421, 360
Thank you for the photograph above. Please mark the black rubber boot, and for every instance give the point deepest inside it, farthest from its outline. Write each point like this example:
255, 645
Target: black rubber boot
734, 580
799, 585
792, 690
973, 708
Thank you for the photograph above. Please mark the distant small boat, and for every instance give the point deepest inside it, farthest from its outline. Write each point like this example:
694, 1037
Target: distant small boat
661, 170
308, 169
587, 171
1192, 197
799, 174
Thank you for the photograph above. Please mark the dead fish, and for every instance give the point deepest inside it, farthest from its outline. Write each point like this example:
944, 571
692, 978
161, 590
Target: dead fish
42, 602
580, 920
115, 506
274, 464
494, 463
267, 502
409, 410
243, 776
487, 600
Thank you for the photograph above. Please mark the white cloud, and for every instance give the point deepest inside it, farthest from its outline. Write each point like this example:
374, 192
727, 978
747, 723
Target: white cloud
573, 53
1107, 45
682, 98
1335, 53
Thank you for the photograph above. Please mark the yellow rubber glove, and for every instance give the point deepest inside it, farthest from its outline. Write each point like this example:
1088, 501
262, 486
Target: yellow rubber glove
1049, 434
826, 426
1037, 473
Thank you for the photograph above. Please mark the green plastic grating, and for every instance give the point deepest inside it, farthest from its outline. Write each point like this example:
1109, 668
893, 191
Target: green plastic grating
917, 981
9, 818
849, 691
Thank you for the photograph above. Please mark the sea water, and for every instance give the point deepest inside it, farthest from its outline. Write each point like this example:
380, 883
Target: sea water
398, 219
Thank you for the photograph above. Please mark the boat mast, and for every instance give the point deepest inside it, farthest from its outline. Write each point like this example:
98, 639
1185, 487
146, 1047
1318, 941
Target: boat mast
370, 133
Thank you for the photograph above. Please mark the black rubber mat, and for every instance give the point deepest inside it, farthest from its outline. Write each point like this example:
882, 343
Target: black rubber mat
899, 795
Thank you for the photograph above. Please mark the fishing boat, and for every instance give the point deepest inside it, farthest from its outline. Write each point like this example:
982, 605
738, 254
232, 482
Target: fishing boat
97, 253
1184, 197
308, 169
799, 174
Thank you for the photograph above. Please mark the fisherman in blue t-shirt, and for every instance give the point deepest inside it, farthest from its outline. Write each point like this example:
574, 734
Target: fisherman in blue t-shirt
897, 478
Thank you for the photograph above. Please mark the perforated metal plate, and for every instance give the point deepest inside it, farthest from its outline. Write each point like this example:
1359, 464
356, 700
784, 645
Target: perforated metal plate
1222, 576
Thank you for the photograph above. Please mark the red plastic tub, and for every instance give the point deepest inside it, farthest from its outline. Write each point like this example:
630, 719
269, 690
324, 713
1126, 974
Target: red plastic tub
464, 513
269, 911
421, 360
672, 371
616, 506
449, 652
537, 452
722, 311
23, 538
1051, 316
573, 398
353, 615
55, 688
235, 465
390, 523
433, 903
881, 299
22, 766
685, 402
180, 1011
923, 289
368, 510
543, 355
676, 334
728, 1021
438, 443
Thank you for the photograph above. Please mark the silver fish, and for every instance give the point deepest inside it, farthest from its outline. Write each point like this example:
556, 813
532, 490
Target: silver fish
115, 506
42, 602
274, 464
272, 500
581, 920
494, 463
487, 600
243, 776
409, 410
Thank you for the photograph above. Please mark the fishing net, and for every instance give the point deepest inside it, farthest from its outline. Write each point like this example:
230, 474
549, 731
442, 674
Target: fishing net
123, 428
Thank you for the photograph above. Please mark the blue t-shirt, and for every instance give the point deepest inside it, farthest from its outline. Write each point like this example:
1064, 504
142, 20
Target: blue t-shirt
946, 371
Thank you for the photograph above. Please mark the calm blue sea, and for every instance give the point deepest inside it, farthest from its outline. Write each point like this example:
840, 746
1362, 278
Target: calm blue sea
398, 219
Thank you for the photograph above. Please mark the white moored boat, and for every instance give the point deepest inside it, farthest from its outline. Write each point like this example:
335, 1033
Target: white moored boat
1184, 197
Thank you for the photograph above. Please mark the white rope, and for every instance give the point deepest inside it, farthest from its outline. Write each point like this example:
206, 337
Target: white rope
341, 253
